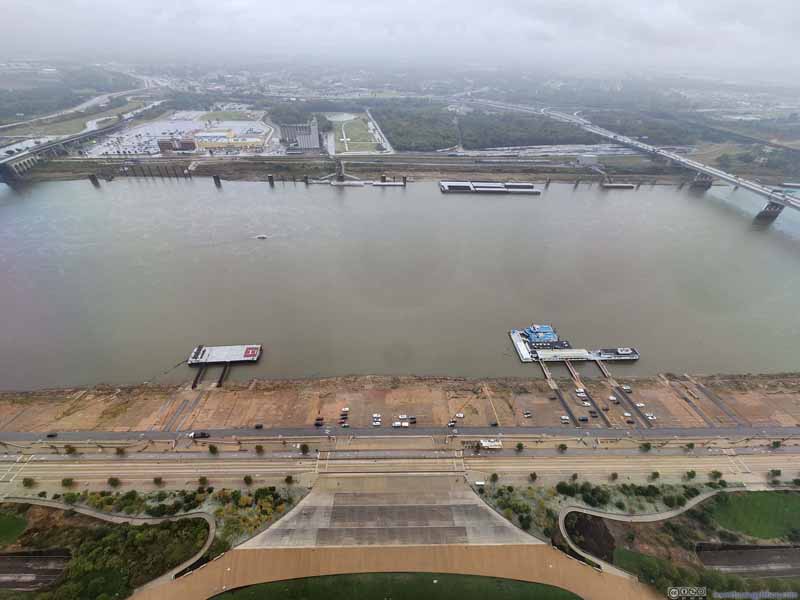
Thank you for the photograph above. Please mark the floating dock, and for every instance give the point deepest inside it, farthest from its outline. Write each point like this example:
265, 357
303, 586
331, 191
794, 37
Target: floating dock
214, 355
541, 343
487, 187
617, 186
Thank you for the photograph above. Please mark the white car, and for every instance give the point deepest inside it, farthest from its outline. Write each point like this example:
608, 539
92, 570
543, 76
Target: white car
612, 398
404, 424
397, 424
376, 423
564, 419
459, 415
402, 417
376, 415
627, 414
346, 409
580, 391
651, 417
640, 404
586, 403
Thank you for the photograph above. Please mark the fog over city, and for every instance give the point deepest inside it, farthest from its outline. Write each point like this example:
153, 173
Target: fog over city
714, 37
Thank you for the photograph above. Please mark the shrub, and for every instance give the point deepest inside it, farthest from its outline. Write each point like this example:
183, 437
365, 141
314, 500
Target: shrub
775, 473
113, 482
203, 480
566, 489
259, 449
562, 448
715, 475
620, 505
248, 480
68, 449
494, 477
534, 477
654, 475
614, 476
213, 449
776, 444
67, 482
520, 446
481, 490
670, 501
689, 447
574, 477
304, 448
28, 482
289, 480
646, 447
691, 475
158, 481
119, 451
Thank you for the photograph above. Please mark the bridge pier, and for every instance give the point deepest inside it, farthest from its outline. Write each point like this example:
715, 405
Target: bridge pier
770, 212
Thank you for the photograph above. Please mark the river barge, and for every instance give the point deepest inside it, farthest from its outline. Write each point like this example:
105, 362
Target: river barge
487, 187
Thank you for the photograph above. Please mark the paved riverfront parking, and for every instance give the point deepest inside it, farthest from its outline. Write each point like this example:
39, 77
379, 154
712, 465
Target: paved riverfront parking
674, 402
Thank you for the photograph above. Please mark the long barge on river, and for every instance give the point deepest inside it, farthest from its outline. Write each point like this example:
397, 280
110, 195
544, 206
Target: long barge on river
487, 187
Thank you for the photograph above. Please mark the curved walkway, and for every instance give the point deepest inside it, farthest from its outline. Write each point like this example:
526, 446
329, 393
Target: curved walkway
120, 519
645, 518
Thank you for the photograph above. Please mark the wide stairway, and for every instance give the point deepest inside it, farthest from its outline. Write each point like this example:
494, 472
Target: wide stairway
390, 510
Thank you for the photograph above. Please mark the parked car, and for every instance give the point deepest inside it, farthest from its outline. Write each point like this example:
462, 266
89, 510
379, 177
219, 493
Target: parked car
196, 435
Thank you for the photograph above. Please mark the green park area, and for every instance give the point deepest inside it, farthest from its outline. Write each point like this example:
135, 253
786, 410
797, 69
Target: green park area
71, 123
11, 527
359, 138
399, 586
766, 515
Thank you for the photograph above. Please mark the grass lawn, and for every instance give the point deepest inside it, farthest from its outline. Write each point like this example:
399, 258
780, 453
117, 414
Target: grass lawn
227, 115
399, 586
11, 526
765, 515
635, 562
359, 137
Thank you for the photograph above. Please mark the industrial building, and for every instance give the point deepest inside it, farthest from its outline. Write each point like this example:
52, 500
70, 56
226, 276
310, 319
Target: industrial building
302, 137
167, 145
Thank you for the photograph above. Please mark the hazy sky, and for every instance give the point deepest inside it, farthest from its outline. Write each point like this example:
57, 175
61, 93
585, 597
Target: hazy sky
634, 35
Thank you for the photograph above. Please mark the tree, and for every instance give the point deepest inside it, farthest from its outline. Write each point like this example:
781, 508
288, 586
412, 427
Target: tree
158, 481
562, 448
28, 482
259, 449
689, 447
715, 475
646, 447
574, 477
304, 448
691, 475
67, 482
533, 476
119, 451
614, 476
776, 444
775, 473
213, 449
520, 446
203, 480
654, 475
248, 480
68, 449
289, 480
724, 161
114, 482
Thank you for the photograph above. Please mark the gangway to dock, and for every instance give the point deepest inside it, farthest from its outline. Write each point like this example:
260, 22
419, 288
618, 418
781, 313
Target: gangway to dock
574, 373
718, 402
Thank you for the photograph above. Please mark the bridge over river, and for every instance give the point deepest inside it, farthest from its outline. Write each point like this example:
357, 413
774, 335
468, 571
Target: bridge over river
776, 199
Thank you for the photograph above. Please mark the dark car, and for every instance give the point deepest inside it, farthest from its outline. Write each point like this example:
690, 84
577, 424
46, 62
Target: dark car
259, 426
317, 423
52, 434
493, 424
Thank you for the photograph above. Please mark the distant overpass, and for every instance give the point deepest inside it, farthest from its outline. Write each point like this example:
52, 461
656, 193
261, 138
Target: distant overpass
776, 200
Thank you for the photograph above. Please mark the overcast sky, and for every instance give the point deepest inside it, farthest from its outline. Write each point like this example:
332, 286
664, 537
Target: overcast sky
701, 36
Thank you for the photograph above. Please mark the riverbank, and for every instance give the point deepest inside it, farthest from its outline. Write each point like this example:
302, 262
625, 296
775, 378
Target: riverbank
676, 401
416, 167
